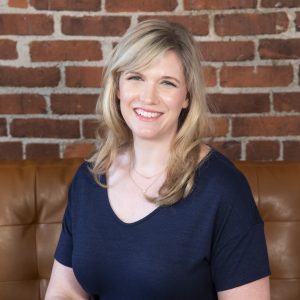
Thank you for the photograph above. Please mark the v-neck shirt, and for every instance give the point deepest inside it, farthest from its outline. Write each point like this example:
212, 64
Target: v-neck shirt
210, 241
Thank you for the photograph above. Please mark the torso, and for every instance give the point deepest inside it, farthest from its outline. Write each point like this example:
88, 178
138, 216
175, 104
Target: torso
125, 199
189, 250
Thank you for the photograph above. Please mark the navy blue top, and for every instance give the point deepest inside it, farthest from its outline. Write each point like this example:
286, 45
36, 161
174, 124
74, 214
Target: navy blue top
210, 241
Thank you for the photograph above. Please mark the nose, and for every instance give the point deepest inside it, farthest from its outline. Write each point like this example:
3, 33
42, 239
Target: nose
149, 94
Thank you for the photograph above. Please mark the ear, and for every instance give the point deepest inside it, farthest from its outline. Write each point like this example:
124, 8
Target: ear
185, 104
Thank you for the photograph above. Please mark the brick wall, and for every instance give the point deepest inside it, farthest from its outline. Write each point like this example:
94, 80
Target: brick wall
52, 53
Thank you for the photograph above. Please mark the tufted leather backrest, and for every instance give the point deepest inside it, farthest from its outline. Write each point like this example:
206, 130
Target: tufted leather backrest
276, 190
33, 197
32, 201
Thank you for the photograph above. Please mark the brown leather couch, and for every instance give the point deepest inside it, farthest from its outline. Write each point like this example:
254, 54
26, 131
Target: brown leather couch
33, 198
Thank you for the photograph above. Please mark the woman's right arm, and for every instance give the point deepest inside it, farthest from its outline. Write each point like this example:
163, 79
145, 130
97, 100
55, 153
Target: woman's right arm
63, 284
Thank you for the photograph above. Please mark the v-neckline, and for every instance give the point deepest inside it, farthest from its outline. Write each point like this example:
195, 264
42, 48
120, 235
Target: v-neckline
120, 221
153, 212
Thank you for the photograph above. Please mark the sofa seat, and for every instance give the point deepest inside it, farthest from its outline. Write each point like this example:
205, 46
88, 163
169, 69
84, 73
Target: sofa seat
33, 198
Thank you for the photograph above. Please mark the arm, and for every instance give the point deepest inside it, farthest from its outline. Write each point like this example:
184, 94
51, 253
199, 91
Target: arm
63, 284
256, 290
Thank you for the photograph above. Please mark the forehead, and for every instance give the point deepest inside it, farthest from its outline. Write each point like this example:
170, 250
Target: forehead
166, 63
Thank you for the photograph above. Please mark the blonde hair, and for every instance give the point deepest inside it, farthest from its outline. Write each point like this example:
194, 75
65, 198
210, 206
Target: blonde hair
137, 49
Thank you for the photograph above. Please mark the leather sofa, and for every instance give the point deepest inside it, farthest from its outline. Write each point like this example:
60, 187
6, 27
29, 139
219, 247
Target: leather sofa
33, 197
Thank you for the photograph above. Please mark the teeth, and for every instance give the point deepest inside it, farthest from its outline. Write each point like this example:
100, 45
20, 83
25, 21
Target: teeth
147, 114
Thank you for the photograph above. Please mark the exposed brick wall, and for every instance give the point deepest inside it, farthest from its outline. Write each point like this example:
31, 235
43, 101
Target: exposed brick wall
52, 53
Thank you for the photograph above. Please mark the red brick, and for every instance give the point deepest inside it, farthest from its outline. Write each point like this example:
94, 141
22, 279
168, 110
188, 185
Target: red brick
78, 150
140, 5
261, 76
95, 25
65, 50
299, 76
251, 24
89, 128
231, 149
3, 130
221, 126
291, 150
266, 126
287, 102
29, 77
18, 3
281, 3
22, 104
239, 103
297, 21
40, 151
45, 128
76, 5
262, 150
227, 51
8, 49
26, 24
73, 104
210, 76
218, 4
280, 49
197, 25
10, 151
83, 76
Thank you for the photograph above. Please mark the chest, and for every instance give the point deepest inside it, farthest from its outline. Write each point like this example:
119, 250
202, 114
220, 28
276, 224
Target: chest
126, 199
167, 253
124, 261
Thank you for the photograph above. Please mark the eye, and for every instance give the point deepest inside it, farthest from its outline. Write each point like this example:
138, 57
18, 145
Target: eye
169, 83
134, 77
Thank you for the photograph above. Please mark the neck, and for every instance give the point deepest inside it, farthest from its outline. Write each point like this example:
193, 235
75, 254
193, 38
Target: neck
150, 157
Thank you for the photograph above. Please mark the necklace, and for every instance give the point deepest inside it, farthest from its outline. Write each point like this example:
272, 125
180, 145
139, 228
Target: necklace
147, 177
144, 190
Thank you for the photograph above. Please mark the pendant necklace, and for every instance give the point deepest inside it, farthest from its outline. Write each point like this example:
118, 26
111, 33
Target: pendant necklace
144, 190
147, 177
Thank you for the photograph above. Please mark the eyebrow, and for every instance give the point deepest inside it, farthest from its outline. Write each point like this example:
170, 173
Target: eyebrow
164, 77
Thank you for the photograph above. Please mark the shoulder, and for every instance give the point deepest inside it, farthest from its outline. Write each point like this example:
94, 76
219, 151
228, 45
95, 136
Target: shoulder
83, 188
218, 170
83, 175
228, 187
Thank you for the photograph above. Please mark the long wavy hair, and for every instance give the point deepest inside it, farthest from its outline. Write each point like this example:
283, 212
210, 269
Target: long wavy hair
136, 50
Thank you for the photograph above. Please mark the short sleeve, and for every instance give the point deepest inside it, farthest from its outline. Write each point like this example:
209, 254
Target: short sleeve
239, 250
64, 248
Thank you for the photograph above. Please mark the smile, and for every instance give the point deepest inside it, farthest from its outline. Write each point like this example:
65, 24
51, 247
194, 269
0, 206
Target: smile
147, 114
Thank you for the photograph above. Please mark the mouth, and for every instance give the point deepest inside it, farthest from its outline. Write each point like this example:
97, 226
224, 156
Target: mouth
144, 114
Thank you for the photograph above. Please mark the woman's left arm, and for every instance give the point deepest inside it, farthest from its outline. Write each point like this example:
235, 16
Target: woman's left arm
256, 290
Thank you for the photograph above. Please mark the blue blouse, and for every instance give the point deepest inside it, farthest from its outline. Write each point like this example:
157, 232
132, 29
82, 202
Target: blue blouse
210, 241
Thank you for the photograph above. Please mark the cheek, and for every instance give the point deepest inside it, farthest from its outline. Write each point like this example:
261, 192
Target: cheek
176, 102
124, 93
125, 99
125, 103
122, 89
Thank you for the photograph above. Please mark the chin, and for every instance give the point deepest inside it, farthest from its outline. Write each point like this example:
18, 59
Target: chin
145, 134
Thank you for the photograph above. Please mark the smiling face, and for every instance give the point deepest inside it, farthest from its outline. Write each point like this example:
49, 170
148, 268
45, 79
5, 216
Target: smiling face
151, 100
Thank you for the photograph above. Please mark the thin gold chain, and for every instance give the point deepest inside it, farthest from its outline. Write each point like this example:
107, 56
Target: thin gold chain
148, 177
144, 191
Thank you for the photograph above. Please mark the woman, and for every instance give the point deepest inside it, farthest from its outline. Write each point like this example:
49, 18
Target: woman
156, 213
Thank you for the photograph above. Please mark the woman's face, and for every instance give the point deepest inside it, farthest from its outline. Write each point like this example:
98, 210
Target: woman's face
152, 99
